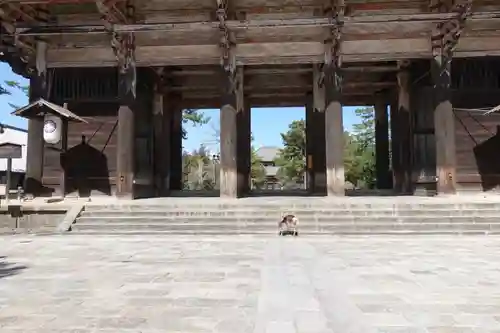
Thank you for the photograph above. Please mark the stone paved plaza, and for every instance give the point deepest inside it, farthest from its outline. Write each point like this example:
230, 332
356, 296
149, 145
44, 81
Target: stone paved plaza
249, 284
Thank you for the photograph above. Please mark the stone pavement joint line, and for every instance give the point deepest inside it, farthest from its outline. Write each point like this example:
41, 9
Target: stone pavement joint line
166, 284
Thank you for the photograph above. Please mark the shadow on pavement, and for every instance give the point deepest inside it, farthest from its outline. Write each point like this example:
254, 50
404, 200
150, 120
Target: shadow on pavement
8, 268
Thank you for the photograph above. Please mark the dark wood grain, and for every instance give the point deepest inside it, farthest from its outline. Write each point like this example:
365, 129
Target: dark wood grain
91, 151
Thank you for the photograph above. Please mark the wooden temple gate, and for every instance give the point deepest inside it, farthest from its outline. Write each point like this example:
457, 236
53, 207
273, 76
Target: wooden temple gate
130, 67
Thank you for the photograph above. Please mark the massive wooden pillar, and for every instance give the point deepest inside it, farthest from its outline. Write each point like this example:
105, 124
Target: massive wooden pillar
332, 80
176, 166
444, 124
444, 40
162, 122
395, 150
167, 142
244, 143
405, 135
34, 160
382, 143
231, 185
334, 128
309, 144
125, 152
123, 46
316, 129
233, 165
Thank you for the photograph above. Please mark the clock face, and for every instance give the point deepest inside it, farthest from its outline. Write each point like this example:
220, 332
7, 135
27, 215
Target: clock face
49, 126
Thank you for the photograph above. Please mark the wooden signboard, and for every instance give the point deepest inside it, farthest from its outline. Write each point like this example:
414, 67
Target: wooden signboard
10, 150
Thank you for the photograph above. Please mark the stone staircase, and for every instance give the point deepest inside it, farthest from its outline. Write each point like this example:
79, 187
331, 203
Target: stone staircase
254, 217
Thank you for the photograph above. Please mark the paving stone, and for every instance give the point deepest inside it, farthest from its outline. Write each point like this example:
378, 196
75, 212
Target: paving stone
450, 329
386, 319
310, 322
401, 330
152, 284
280, 326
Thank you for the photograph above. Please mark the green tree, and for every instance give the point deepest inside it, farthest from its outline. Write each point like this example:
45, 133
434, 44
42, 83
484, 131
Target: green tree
291, 160
359, 151
6, 89
195, 174
362, 150
194, 117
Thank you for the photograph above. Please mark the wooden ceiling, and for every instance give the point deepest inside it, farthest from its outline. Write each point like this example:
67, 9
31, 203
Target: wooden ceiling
279, 85
278, 41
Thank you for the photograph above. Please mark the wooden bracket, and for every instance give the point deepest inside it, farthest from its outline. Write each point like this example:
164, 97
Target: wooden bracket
123, 44
227, 44
10, 14
333, 61
446, 35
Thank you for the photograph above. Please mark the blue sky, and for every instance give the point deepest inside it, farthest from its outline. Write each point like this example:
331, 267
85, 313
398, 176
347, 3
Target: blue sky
267, 123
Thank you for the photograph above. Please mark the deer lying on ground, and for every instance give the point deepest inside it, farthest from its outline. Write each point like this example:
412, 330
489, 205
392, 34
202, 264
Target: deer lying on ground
288, 225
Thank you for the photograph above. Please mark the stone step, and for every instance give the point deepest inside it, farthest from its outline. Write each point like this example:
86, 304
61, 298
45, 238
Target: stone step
256, 219
333, 229
302, 215
316, 218
200, 205
299, 213
308, 226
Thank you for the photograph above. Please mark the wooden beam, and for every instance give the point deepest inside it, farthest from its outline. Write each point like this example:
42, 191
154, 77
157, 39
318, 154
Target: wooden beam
282, 94
264, 85
266, 101
237, 25
370, 69
247, 71
272, 53
24, 45
284, 70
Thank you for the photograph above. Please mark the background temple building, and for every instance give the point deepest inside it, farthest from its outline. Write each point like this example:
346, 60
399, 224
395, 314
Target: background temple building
129, 68
268, 154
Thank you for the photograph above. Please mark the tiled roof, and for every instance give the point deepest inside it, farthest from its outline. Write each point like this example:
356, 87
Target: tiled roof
34, 108
267, 154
